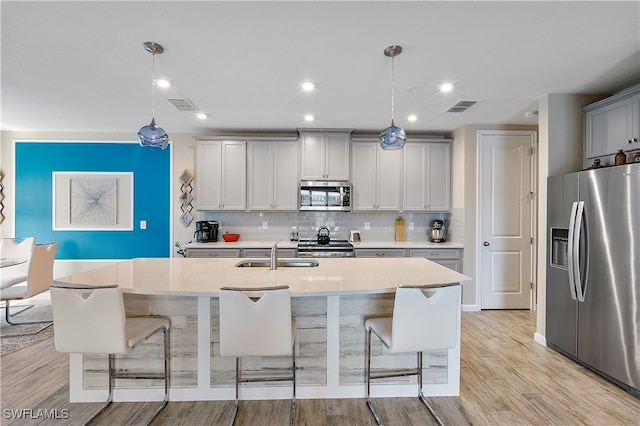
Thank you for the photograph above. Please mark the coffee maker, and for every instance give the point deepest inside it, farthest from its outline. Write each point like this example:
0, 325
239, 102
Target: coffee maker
206, 231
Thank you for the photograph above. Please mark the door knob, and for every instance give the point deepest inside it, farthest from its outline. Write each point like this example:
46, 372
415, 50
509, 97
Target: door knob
486, 244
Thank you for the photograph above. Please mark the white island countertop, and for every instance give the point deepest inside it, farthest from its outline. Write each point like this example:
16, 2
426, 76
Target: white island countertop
205, 276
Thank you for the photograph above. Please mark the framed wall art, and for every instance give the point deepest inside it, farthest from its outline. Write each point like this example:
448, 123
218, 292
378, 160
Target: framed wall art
92, 201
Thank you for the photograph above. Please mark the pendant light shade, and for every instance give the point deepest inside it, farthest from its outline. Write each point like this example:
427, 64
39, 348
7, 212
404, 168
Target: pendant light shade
392, 137
152, 136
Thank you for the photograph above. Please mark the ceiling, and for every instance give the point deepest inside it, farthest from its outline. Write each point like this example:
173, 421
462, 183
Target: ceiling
80, 66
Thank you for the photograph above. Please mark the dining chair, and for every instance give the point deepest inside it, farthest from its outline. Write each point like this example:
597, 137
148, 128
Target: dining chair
38, 280
257, 322
15, 249
92, 320
425, 318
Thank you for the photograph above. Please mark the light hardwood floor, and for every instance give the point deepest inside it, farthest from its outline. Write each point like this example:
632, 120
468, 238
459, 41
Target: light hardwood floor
506, 379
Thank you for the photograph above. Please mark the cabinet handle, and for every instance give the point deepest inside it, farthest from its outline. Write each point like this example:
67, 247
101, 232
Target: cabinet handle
213, 254
380, 254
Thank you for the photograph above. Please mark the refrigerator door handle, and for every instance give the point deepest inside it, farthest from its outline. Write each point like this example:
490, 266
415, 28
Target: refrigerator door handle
581, 286
571, 250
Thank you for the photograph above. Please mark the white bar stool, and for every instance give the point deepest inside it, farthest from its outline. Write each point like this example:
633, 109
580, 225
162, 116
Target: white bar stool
425, 318
38, 280
97, 324
261, 327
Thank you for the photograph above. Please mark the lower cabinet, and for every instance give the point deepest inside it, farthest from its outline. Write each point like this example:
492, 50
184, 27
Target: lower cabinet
267, 253
220, 252
372, 252
451, 258
212, 253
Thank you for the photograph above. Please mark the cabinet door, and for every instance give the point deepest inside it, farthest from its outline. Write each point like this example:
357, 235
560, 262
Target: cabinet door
207, 179
608, 128
337, 156
438, 175
388, 179
364, 176
312, 158
285, 176
414, 179
260, 173
234, 175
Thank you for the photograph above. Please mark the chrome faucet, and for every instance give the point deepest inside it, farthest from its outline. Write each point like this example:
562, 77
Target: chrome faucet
274, 256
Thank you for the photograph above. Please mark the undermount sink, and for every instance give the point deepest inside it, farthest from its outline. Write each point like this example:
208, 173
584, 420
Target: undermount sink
266, 263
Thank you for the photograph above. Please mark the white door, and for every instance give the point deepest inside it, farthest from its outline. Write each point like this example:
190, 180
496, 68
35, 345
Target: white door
505, 219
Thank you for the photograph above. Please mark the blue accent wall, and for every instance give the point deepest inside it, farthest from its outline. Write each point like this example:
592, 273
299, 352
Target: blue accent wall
35, 163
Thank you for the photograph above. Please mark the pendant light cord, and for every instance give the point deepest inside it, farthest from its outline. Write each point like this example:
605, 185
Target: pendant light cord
392, 58
153, 86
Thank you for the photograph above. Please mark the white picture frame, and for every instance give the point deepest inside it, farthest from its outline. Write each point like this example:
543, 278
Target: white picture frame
92, 201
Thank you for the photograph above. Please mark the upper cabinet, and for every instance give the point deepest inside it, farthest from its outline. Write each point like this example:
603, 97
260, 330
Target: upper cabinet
426, 176
376, 177
273, 175
221, 175
324, 155
613, 124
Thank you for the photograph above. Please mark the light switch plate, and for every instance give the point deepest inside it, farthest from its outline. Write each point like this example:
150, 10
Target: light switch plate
143, 224
265, 225
410, 226
367, 226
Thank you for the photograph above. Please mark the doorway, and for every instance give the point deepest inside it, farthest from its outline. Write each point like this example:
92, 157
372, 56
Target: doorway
506, 218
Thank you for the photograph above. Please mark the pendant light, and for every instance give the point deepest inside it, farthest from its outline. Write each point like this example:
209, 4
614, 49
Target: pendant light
152, 136
392, 137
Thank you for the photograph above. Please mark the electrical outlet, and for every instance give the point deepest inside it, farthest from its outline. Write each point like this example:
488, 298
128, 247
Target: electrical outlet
410, 226
143, 224
265, 225
367, 226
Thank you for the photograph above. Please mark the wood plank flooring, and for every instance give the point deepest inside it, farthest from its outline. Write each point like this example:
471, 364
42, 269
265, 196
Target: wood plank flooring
506, 379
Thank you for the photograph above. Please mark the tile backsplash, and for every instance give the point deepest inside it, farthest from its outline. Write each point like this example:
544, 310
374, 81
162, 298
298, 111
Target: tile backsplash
279, 225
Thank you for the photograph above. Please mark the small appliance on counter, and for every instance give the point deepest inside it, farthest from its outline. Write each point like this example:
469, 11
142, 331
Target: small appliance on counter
206, 231
437, 232
354, 236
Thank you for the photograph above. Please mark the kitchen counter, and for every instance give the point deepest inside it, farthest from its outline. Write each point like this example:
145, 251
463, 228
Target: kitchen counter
329, 303
204, 276
293, 244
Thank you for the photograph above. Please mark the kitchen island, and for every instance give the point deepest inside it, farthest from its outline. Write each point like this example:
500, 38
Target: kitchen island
329, 302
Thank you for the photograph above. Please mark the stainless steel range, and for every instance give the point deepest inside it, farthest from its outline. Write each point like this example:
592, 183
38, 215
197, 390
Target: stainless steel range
334, 248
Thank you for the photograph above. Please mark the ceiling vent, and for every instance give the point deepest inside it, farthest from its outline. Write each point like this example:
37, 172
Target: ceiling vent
183, 104
462, 106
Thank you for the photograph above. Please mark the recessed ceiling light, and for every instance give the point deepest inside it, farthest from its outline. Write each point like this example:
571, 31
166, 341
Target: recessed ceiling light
202, 115
446, 87
308, 117
308, 86
161, 82
412, 117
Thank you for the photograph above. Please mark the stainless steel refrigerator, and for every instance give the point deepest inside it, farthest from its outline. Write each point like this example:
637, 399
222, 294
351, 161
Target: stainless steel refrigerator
593, 271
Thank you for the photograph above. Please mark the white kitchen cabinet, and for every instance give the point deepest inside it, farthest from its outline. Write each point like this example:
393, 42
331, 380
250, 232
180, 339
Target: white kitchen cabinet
221, 175
324, 155
613, 124
451, 258
426, 176
272, 175
376, 177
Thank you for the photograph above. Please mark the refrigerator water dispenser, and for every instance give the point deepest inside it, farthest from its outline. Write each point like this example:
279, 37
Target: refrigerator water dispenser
559, 247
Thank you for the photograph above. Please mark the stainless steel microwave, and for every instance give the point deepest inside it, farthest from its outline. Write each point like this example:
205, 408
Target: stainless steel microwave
325, 195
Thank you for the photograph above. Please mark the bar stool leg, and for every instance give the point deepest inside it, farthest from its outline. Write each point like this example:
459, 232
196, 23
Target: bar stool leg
235, 406
293, 402
421, 395
368, 373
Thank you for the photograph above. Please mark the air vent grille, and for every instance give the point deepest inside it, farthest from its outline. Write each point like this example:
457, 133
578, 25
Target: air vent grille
183, 104
462, 106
